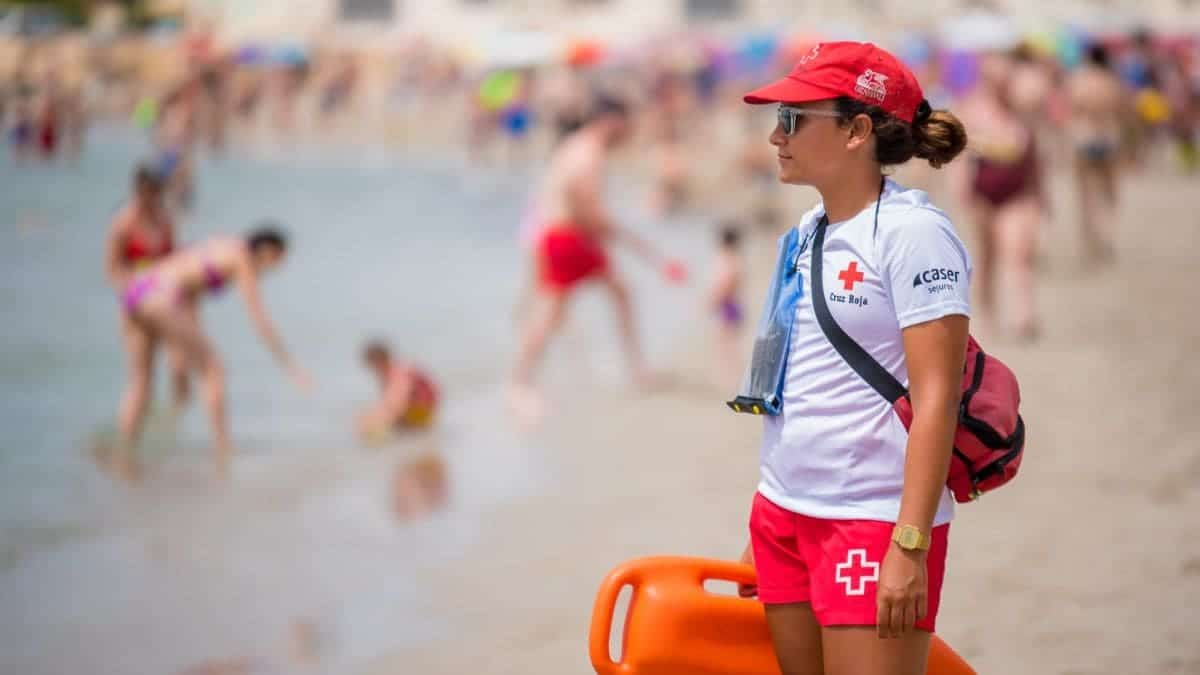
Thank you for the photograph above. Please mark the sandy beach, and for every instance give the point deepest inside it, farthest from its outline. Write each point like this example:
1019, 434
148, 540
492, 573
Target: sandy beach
411, 169
1089, 563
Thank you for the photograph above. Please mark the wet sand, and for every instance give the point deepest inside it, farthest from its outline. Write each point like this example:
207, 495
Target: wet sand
309, 563
1089, 563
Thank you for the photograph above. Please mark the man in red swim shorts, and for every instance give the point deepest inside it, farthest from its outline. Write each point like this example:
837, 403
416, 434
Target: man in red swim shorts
570, 247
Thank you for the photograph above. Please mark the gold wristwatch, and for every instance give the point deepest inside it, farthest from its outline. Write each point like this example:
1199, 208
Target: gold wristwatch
910, 538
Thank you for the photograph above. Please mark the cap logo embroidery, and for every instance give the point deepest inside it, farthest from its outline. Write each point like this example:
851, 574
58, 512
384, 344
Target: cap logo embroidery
871, 85
811, 56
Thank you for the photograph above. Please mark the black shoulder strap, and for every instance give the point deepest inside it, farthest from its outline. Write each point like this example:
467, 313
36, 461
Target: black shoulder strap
867, 367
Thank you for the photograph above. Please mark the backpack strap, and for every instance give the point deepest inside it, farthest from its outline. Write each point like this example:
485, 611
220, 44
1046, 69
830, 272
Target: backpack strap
855, 356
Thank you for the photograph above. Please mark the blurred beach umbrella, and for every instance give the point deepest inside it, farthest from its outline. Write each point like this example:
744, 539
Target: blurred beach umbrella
755, 51
499, 89
255, 54
289, 55
1069, 45
960, 71
914, 50
584, 52
250, 55
979, 31
723, 59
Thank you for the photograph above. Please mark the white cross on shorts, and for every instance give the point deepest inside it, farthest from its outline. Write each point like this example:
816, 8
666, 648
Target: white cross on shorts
856, 571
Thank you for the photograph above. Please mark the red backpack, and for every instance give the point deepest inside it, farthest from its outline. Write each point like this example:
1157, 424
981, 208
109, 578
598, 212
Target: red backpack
990, 438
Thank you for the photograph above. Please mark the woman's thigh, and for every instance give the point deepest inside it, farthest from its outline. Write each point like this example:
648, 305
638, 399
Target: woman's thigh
140, 341
179, 326
797, 638
1016, 228
858, 650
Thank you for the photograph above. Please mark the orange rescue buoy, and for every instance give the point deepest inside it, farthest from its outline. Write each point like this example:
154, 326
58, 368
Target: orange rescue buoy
674, 626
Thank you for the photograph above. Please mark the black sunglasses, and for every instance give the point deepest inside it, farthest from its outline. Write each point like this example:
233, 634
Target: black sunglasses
789, 117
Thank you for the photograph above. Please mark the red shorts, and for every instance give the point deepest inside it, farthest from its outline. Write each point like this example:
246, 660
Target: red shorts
568, 256
831, 564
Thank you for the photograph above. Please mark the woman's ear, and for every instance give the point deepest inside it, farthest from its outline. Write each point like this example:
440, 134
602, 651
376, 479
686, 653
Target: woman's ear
859, 131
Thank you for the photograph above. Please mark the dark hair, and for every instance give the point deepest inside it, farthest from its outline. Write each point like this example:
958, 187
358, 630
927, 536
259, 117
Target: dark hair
266, 234
1023, 53
376, 349
606, 105
146, 175
1097, 54
731, 234
936, 136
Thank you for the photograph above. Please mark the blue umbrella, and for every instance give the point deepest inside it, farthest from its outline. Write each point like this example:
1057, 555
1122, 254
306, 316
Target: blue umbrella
914, 50
960, 70
290, 55
756, 51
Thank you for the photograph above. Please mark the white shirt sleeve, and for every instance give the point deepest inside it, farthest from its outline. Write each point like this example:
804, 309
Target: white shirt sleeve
927, 267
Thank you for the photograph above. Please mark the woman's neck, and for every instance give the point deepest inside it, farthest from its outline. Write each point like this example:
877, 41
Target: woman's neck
850, 194
149, 211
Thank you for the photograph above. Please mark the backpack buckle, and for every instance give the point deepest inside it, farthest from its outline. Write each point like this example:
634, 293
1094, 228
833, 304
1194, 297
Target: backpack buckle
976, 493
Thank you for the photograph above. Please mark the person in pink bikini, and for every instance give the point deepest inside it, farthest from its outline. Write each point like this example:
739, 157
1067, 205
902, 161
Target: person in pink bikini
160, 303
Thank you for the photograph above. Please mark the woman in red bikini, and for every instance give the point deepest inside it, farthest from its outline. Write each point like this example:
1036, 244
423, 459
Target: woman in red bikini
160, 304
571, 246
141, 234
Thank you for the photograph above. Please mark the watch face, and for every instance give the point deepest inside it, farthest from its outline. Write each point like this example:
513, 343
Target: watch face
908, 538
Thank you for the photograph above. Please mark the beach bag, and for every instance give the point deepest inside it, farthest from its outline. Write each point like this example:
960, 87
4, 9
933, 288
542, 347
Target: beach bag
990, 438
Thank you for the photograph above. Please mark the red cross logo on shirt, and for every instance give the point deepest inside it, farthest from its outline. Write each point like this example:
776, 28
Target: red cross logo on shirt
860, 571
851, 275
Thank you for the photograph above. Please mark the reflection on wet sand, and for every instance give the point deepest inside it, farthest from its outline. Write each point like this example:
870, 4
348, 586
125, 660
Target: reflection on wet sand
420, 486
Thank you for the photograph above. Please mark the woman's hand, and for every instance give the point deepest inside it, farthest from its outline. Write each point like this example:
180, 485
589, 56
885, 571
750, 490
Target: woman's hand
748, 590
674, 271
903, 591
371, 430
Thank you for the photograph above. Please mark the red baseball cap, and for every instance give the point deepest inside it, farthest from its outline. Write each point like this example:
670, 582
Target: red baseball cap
859, 70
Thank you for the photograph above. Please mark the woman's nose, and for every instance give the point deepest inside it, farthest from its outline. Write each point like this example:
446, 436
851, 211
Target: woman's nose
778, 138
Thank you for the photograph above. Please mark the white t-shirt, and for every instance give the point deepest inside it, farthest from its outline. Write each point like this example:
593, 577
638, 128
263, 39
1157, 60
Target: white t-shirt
837, 449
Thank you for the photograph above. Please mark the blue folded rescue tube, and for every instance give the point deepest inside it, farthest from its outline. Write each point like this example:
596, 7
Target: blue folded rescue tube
761, 392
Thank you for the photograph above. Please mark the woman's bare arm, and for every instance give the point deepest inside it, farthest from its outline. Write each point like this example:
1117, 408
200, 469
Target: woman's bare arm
934, 351
247, 282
